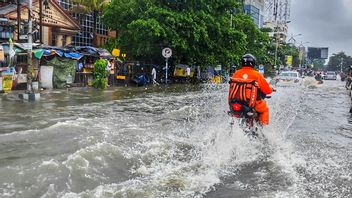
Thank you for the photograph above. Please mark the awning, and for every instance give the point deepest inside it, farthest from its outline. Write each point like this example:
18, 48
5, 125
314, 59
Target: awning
73, 55
38, 53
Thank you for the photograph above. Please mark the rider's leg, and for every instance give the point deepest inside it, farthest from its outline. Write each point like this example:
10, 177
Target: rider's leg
263, 111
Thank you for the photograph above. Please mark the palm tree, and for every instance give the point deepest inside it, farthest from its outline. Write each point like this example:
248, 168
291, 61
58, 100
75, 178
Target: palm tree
93, 7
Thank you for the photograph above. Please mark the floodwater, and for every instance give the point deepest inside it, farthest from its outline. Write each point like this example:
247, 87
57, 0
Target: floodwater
174, 141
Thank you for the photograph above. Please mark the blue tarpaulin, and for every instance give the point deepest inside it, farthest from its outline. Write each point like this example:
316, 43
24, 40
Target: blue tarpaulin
72, 55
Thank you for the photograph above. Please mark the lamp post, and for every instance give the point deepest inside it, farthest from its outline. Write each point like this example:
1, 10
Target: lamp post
292, 38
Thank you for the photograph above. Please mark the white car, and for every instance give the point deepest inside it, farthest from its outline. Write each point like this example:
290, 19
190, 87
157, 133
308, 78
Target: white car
288, 77
330, 75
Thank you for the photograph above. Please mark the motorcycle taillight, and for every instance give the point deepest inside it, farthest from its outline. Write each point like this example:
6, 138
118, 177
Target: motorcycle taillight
236, 107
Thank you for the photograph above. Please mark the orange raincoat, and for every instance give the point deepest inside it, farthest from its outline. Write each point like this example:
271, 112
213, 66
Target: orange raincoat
260, 105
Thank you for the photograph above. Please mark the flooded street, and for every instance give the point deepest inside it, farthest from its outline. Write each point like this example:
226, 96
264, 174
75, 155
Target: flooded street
174, 142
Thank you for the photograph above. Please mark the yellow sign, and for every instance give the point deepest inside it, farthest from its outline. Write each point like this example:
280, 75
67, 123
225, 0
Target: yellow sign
289, 60
115, 52
7, 82
2, 54
120, 77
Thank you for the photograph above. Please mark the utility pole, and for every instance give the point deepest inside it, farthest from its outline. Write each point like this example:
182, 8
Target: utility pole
29, 50
18, 19
30, 94
40, 21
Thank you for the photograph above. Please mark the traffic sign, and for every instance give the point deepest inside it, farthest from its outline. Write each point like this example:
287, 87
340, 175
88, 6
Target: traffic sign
167, 52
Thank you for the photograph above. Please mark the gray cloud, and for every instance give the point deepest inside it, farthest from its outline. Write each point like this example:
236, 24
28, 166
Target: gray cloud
323, 23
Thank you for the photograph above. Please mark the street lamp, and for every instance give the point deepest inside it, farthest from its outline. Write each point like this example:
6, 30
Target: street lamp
292, 38
276, 49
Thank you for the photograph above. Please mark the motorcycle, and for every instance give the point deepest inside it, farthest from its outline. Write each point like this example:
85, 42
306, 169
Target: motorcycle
246, 116
242, 97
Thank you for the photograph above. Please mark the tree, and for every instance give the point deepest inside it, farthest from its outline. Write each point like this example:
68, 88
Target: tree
318, 64
94, 7
199, 32
99, 74
335, 61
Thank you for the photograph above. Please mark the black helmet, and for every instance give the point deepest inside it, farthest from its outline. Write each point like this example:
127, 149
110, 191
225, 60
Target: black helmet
248, 60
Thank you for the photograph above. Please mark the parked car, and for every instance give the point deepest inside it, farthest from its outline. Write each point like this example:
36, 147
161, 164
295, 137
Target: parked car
288, 77
330, 75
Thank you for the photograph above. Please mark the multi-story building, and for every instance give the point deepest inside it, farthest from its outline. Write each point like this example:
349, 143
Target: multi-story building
277, 15
277, 10
279, 30
255, 8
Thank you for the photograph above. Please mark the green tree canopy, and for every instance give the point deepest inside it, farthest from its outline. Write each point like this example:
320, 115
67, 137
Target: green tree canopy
197, 31
336, 59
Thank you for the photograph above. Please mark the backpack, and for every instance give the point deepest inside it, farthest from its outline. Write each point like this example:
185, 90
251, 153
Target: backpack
244, 91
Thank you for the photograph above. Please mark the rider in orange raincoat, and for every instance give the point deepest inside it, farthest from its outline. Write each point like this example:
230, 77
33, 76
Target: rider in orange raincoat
247, 71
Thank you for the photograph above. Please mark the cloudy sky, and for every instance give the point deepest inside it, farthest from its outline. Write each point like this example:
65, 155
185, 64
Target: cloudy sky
323, 23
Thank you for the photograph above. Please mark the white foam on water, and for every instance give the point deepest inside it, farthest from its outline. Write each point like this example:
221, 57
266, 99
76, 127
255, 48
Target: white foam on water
184, 152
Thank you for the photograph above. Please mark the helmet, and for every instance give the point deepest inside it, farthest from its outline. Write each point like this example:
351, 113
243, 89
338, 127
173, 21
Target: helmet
248, 60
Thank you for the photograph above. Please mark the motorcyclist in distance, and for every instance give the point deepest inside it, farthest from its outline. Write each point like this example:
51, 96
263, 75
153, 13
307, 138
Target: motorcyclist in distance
248, 62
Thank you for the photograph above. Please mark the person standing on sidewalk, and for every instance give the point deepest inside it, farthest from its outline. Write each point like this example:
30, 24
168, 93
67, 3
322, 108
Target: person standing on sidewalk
154, 75
188, 73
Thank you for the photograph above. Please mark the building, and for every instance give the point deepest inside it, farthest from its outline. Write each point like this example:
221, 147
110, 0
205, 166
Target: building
6, 29
58, 26
277, 10
279, 30
255, 8
277, 16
